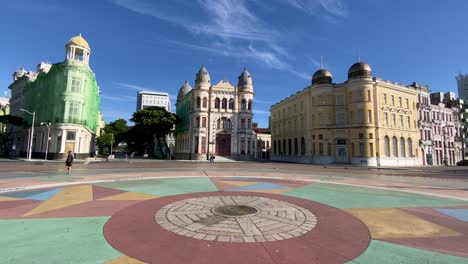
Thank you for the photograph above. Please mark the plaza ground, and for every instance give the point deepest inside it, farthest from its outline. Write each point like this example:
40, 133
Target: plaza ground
147, 211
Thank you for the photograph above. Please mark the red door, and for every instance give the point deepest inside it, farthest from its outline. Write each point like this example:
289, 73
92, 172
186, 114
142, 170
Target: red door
223, 144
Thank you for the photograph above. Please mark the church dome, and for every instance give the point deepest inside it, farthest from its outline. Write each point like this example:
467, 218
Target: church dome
359, 70
322, 76
79, 41
184, 89
202, 76
244, 78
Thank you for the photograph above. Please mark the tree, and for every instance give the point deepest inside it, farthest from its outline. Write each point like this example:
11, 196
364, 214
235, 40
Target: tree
114, 134
154, 122
4, 121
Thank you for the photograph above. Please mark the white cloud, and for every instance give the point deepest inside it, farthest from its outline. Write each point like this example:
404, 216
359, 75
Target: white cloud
332, 8
261, 112
120, 98
131, 86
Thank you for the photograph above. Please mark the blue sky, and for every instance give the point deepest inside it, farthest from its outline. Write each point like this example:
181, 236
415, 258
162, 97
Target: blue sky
157, 45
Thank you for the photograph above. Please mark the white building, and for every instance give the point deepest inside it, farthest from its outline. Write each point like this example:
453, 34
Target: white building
147, 99
215, 118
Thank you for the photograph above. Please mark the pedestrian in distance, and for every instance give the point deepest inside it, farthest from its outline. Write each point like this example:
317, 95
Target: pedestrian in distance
69, 161
212, 157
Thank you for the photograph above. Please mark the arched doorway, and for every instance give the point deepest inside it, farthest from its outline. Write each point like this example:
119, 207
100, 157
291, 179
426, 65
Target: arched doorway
223, 144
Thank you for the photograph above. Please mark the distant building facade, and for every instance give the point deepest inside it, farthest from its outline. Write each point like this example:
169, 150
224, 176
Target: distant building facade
215, 119
364, 121
462, 83
263, 143
147, 99
64, 95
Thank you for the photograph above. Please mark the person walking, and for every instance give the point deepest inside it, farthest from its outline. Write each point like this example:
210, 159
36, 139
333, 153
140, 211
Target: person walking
69, 161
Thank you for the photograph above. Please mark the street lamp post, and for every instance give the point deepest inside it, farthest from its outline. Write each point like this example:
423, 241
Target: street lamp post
48, 138
32, 131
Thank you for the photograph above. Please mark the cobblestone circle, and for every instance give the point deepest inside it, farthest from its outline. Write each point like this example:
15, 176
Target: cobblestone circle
274, 219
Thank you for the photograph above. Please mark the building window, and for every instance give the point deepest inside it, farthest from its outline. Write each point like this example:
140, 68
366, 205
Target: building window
217, 102
203, 145
302, 146
203, 121
369, 116
340, 119
399, 102
284, 146
205, 102
248, 146
361, 135
249, 105
361, 150
402, 147
321, 149
76, 85
224, 103
395, 147
386, 118
369, 95
320, 137
393, 100
71, 135
407, 103
371, 136
371, 149
385, 98
231, 103
387, 146
197, 121
393, 119
198, 102
243, 104
73, 112
410, 147
249, 123
340, 100
242, 145
196, 145
296, 147
408, 120
242, 123
401, 120
329, 149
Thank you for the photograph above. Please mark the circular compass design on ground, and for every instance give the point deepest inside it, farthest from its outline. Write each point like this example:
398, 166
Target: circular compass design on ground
236, 219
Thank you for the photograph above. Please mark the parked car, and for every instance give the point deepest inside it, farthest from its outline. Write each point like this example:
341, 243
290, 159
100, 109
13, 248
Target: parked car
462, 163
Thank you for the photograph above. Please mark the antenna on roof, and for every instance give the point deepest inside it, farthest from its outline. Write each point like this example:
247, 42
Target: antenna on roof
358, 56
321, 64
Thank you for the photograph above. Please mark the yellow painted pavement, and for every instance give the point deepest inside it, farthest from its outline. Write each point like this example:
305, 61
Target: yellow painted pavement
239, 183
67, 197
125, 260
395, 223
129, 196
4, 199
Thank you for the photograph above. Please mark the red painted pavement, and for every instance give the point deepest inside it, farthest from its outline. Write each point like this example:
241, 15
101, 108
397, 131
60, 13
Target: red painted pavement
337, 238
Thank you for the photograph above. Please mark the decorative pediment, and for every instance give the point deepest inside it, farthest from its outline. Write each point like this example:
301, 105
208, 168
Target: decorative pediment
385, 108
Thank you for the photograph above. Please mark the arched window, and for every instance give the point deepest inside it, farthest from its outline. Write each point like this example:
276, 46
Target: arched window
289, 147
224, 103
243, 104
205, 102
198, 102
395, 146
231, 103
387, 146
402, 147
296, 147
302, 146
410, 147
249, 105
284, 146
218, 123
217, 103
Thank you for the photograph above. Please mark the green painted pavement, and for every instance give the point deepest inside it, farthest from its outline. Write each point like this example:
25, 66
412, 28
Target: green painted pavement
67, 240
164, 187
387, 253
342, 196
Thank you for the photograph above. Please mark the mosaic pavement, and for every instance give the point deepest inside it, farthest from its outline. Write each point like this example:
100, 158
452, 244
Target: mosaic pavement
178, 220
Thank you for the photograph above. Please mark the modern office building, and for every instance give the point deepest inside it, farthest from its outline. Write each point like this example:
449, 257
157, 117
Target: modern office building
63, 99
215, 119
364, 121
462, 83
147, 99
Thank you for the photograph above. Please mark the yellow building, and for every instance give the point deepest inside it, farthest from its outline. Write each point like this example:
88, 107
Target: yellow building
363, 121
